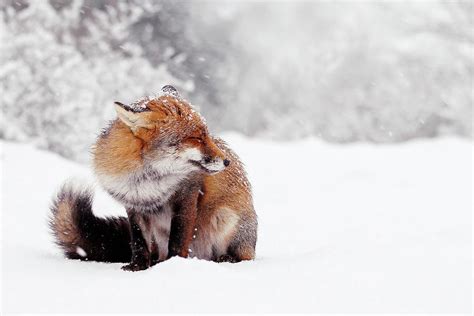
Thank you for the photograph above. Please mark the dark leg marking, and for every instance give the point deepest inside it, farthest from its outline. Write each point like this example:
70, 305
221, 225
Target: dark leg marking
140, 253
154, 252
177, 236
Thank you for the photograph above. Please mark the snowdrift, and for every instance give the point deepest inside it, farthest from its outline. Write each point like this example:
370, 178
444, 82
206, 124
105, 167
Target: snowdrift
354, 228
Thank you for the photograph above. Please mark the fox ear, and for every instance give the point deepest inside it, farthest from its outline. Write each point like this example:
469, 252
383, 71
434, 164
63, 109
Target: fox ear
170, 90
131, 118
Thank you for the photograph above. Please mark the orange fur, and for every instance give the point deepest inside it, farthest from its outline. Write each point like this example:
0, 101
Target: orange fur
225, 198
122, 151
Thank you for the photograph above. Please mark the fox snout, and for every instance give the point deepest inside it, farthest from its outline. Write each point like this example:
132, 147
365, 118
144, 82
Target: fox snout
209, 159
214, 159
214, 164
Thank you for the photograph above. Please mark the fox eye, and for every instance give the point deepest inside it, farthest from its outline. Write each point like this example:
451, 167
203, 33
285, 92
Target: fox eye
196, 139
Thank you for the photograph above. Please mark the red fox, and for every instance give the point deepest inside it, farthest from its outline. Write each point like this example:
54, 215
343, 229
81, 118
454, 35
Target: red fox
185, 192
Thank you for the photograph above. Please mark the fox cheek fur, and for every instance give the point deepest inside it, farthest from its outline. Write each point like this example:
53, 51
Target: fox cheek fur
185, 192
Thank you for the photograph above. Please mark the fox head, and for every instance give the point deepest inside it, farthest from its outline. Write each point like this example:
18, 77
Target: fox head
174, 137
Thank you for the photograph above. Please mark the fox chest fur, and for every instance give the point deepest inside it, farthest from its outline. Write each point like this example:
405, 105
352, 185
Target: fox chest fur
144, 190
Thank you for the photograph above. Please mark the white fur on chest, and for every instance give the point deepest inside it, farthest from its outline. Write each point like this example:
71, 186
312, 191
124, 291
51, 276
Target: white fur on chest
141, 190
153, 185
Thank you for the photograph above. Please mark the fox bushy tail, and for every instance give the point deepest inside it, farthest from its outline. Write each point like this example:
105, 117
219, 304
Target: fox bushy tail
81, 234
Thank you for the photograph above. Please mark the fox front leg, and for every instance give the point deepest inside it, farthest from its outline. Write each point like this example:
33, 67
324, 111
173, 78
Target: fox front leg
141, 258
182, 225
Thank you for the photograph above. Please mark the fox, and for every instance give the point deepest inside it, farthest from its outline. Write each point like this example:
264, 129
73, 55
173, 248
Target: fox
185, 192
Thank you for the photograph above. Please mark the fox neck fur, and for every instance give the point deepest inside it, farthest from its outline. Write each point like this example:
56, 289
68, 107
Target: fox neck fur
124, 171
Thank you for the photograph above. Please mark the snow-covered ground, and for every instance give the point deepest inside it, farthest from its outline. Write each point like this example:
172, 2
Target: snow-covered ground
353, 228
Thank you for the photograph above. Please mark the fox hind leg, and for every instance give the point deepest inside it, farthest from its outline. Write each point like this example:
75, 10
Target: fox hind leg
242, 245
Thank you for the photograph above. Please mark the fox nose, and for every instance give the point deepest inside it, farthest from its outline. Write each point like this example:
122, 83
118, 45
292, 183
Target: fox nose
226, 162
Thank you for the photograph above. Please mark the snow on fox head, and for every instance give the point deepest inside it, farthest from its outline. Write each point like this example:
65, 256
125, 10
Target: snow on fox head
173, 138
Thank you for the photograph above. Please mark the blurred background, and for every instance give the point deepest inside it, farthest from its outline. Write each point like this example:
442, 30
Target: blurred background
362, 71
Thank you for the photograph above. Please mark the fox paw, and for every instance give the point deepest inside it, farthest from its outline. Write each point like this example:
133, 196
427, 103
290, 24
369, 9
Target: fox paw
227, 258
135, 267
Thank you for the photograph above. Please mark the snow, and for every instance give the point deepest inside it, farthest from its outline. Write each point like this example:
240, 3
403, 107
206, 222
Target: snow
81, 252
353, 228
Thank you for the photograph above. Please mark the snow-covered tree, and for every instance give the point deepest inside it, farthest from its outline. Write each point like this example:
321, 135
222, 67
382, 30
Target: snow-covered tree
343, 71
60, 73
